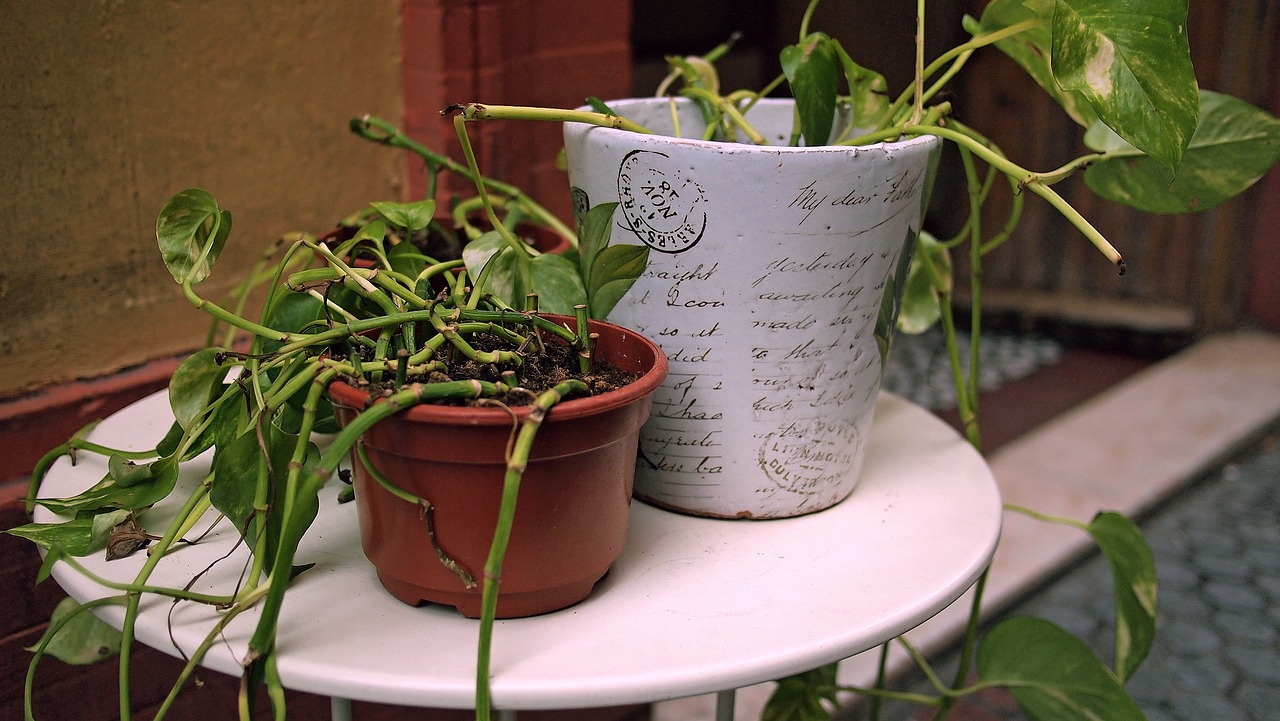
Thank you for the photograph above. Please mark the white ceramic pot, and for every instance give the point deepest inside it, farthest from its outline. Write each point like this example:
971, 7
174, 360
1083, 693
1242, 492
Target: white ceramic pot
773, 284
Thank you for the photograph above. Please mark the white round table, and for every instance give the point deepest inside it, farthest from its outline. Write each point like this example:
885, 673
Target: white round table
693, 606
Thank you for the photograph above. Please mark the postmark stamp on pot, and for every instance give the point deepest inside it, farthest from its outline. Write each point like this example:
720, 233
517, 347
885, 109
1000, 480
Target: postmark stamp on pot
661, 204
804, 456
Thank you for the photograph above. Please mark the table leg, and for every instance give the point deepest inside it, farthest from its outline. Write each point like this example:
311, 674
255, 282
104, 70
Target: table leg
340, 708
724, 704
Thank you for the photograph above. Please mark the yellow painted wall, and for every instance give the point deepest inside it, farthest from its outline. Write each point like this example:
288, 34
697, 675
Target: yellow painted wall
107, 108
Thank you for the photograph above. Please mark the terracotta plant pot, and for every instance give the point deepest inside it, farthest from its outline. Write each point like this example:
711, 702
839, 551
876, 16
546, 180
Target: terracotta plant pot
574, 499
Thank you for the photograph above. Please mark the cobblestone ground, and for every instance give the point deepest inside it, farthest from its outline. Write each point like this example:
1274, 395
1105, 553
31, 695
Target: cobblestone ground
1216, 656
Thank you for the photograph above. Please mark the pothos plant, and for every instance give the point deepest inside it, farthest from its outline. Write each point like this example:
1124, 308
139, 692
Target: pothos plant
1122, 70
371, 308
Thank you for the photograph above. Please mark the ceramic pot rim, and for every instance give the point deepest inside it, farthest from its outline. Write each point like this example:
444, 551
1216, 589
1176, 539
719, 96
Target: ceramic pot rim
922, 143
347, 396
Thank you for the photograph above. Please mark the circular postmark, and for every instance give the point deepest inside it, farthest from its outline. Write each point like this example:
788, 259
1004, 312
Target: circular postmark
807, 456
661, 204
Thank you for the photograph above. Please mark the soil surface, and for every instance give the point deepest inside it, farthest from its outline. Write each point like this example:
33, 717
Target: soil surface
537, 373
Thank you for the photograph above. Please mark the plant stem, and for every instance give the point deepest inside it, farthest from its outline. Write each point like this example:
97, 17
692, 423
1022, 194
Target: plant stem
1027, 180
475, 111
390, 135
1047, 518
516, 463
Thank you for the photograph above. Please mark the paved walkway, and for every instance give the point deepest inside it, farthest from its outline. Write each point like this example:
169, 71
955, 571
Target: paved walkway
1216, 655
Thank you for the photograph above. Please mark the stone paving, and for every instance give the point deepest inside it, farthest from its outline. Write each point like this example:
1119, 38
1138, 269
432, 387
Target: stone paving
1216, 656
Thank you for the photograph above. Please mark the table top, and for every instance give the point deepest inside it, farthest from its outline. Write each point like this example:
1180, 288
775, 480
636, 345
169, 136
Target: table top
692, 606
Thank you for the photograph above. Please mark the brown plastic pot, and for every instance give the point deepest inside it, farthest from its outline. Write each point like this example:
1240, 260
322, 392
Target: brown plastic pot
573, 505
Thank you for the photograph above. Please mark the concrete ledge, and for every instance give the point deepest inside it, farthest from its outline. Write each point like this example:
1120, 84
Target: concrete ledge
1125, 450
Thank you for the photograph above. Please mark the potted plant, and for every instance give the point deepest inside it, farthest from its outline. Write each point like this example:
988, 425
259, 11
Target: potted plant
1158, 143
738, 222
420, 368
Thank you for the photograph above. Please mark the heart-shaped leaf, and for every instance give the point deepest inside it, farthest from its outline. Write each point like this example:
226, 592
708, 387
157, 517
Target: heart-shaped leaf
410, 216
802, 697
813, 71
1052, 674
556, 281
594, 233
1233, 146
78, 537
1132, 61
84, 638
930, 268
1133, 570
868, 99
191, 231
614, 270
193, 384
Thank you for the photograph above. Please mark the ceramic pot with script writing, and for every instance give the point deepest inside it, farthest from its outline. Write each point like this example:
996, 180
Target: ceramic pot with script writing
772, 287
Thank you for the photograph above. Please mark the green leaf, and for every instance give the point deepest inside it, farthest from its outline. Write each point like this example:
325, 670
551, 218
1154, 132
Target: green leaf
410, 216
1031, 50
509, 278
614, 271
800, 697
1133, 569
237, 471
480, 251
193, 385
593, 236
813, 71
127, 473
1233, 146
556, 281
1132, 61
868, 90
405, 258
1052, 674
107, 495
191, 232
696, 72
78, 537
920, 300
235, 478
84, 639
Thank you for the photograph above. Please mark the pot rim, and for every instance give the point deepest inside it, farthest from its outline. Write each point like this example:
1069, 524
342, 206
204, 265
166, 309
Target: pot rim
927, 141
345, 395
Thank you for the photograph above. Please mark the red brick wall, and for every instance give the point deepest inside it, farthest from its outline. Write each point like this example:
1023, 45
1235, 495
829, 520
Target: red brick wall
513, 52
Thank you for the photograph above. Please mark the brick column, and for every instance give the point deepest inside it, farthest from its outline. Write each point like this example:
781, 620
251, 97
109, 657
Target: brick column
518, 52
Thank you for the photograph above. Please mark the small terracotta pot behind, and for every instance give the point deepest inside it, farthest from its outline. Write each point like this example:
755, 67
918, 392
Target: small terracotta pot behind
571, 519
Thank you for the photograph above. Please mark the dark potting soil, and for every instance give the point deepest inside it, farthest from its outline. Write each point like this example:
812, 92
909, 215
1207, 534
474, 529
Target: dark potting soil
537, 373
